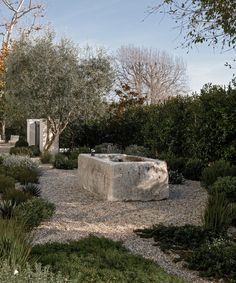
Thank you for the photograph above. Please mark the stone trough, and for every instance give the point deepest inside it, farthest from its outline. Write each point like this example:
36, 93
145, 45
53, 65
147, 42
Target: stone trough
120, 177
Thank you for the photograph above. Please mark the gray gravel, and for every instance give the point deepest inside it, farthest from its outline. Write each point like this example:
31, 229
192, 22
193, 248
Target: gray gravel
80, 213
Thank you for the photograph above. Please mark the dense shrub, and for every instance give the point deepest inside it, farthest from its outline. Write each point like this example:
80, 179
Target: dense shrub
174, 163
21, 143
34, 211
15, 243
46, 157
74, 153
24, 175
16, 196
199, 126
137, 150
178, 238
225, 185
107, 148
29, 273
22, 169
13, 161
62, 162
175, 177
218, 213
6, 183
193, 169
35, 150
21, 151
217, 169
216, 259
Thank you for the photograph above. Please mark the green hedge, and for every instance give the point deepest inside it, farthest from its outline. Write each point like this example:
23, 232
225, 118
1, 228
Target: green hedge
200, 126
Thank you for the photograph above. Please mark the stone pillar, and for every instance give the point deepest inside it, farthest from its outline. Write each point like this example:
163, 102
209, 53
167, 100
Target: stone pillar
31, 135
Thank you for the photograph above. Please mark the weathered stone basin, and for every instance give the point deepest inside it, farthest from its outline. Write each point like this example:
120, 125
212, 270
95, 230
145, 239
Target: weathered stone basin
120, 177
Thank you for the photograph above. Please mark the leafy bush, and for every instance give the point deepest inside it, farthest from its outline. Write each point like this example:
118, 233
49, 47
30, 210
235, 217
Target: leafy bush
193, 169
46, 157
21, 168
35, 150
217, 169
94, 259
32, 189
24, 175
21, 143
84, 149
177, 238
137, 150
62, 162
16, 196
225, 185
21, 151
107, 148
175, 177
217, 259
174, 163
34, 211
6, 183
218, 213
15, 242
27, 274
7, 208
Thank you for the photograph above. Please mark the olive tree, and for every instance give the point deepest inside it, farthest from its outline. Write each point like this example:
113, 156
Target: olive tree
57, 81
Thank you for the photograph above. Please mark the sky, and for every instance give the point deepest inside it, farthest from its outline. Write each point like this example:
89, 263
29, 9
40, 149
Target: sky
113, 23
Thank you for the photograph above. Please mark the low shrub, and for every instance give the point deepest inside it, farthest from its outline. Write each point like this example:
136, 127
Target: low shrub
46, 157
94, 259
14, 161
24, 175
215, 259
225, 185
35, 150
193, 169
32, 189
59, 159
84, 149
16, 196
24, 151
218, 213
174, 163
217, 169
6, 183
7, 208
21, 143
34, 211
15, 242
107, 148
177, 238
62, 162
137, 150
27, 274
175, 177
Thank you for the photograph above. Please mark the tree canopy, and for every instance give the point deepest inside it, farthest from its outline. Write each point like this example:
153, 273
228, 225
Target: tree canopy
210, 21
56, 81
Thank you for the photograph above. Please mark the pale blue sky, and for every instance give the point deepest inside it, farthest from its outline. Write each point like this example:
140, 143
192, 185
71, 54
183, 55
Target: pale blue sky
112, 23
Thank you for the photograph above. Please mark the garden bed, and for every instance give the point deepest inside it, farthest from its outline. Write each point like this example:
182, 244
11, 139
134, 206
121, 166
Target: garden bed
79, 213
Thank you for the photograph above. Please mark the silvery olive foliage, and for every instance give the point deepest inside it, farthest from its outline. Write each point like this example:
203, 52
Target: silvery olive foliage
57, 81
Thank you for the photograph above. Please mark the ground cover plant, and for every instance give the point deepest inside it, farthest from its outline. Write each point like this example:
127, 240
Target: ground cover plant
94, 259
30, 273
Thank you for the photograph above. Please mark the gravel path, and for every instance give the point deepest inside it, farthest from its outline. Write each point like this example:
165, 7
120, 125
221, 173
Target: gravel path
80, 213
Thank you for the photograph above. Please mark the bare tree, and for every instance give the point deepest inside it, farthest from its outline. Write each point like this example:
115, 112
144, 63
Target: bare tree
15, 11
15, 16
152, 74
